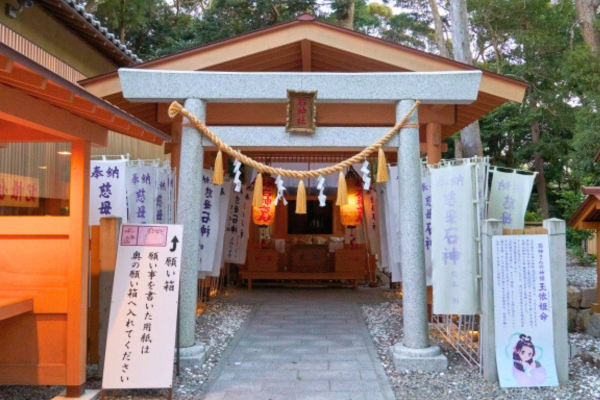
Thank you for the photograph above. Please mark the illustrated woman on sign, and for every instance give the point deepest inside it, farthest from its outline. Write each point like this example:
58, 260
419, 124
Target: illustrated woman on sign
527, 371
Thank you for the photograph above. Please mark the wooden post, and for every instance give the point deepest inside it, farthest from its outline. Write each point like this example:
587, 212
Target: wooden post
77, 300
487, 338
109, 236
433, 135
94, 310
558, 272
596, 306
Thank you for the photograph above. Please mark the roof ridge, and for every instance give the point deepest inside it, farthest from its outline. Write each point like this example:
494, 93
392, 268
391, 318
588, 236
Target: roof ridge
103, 30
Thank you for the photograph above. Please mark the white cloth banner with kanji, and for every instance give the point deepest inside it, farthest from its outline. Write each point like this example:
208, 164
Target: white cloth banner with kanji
453, 244
509, 198
392, 221
427, 221
141, 188
209, 221
381, 218
236, 231
225, 195
371, 214
108, 190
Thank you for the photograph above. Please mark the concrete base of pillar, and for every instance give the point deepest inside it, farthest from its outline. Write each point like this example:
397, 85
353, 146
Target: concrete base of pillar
88, 395
193, 356
430, 359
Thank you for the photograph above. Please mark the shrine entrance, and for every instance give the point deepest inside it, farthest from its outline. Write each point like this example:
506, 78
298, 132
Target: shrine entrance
364, 87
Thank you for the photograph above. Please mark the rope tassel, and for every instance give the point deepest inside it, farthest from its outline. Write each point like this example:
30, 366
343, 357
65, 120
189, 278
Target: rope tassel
301, 198
342, 193
174, 109
257, 197
218, 171
382, 171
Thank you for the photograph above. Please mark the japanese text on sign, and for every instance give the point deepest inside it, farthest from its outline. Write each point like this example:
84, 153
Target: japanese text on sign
141, 329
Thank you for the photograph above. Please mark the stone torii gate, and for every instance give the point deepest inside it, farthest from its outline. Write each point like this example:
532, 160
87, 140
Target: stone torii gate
401, 88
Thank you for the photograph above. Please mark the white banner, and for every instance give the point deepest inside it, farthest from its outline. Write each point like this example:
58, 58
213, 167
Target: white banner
392, 222
509, 198
209, 221
382, 218
237, 230
108, 191
453, 245
427, 221
141, 188
225, 195
143, 313
523, 311
372, 221
163, 196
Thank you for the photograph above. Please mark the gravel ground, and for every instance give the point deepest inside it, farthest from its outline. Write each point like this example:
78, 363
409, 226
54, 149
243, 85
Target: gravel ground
462, 381
580, 274
216, 325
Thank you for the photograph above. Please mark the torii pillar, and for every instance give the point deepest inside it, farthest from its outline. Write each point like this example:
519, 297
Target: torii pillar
415, 352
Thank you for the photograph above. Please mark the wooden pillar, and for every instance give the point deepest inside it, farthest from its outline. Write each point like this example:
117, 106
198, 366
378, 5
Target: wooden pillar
109, 237
78, 269
433, 135
596, 306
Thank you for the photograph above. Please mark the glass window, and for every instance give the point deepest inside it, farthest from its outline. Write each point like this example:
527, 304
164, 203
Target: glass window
34, 178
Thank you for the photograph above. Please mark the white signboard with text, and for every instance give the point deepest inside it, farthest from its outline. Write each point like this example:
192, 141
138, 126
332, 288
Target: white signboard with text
238, 227
523, 311
143, 312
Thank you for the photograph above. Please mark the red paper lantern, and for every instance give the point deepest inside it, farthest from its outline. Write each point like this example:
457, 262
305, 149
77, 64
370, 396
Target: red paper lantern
351, 214
265, 214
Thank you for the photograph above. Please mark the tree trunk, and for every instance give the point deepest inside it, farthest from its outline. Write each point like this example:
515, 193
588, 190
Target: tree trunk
458, 153
91, 6
538, 162
122, 22
586, 13
461, 47
347, 18
439, 29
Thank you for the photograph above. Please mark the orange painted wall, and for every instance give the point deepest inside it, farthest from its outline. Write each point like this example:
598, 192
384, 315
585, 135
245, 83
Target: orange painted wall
46, 258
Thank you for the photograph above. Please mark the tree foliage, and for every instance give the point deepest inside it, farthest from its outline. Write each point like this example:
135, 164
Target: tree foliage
548, 43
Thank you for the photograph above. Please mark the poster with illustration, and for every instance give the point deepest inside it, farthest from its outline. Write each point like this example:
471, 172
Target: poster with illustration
523, 311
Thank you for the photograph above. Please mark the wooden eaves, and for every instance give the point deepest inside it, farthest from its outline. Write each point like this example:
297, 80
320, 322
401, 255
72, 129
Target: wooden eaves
587, 215
20, 72
311, 46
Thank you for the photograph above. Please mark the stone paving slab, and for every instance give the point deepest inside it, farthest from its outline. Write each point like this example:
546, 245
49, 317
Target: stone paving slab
301, 344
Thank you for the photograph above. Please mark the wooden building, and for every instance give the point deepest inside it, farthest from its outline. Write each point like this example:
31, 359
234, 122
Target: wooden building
49, 128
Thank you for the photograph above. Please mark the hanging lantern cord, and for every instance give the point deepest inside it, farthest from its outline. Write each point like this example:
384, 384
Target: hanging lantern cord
177, 108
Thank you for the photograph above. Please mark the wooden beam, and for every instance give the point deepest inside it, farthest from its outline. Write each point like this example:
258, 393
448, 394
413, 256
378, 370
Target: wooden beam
17, 107
433, 143
306, 55
78, 264
6, 63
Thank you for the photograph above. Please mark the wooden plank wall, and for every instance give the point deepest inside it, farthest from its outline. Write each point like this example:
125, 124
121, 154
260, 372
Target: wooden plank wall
34, 262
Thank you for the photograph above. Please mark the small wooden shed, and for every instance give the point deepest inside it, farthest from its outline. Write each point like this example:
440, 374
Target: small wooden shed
44, 256
587, 217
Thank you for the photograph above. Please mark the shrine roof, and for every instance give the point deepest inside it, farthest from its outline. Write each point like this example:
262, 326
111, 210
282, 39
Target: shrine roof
307, 45
32, 79
587, 215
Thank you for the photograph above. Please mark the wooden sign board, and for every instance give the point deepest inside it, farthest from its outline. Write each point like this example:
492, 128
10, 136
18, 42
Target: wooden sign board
141, 328
301, 112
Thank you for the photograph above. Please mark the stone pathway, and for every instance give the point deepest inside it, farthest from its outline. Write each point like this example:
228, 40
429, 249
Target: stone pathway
302, 344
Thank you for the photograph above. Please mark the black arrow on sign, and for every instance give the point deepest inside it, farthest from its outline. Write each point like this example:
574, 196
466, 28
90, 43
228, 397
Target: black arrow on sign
174, 241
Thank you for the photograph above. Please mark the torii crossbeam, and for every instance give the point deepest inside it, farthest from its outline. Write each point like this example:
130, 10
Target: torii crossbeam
401, 88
